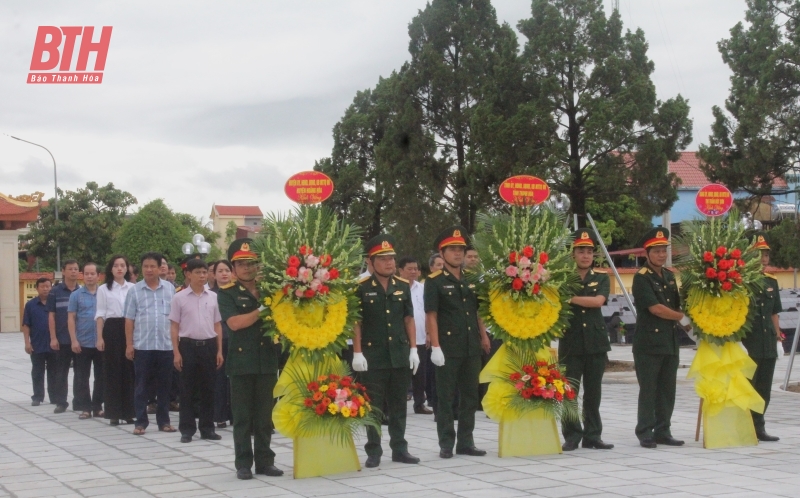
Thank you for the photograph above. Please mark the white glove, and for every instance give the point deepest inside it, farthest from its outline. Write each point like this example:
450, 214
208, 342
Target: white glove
685, 321
413, 358
359, 362
437, 357
686, 324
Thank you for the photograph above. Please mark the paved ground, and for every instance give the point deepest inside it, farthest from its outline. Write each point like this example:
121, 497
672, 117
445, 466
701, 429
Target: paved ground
42, 454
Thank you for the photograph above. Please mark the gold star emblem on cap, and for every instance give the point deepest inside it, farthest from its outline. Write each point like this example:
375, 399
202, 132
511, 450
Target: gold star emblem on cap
456, 233
386, 245
584, 235
245, 247
659, 235
761, 238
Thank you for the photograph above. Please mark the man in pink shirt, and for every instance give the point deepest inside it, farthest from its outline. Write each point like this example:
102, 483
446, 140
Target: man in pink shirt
197, 348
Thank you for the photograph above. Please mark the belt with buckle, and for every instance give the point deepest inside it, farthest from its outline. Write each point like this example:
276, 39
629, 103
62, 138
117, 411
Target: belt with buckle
195, 342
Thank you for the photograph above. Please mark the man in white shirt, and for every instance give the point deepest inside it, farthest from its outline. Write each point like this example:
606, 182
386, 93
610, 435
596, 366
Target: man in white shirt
408, 269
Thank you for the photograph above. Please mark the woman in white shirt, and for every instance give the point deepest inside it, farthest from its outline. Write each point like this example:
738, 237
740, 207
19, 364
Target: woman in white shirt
117, 369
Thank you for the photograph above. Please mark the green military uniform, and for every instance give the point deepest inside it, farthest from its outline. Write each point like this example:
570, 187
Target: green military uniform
456, 305
761, 340
584, 351
252, 366
384, 343
655, 345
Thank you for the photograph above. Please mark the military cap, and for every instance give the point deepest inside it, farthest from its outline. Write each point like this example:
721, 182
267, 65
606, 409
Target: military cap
239, 250
584, 238
657, 236
761, 242
380, 245
186, 259
453, 236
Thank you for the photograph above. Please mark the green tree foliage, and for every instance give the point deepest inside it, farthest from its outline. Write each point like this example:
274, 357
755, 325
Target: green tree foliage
756, 138
196, 225
784, 249
88, 220
230, 232
621, 220
612, 136
153, 228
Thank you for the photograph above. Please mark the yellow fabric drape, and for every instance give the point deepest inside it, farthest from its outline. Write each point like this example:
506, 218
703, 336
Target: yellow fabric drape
319, 456
521, 433
721, 376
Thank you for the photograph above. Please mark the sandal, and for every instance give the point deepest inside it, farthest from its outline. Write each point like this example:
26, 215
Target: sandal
167, 428
85, 415
138, 431
98, 413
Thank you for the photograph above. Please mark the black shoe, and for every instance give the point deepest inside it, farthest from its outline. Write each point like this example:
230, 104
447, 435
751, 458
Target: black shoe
151, 409
423, 411
372, 462
244, 474
113, 422
569, 446
763, 436
598, 444
60, 409
269, 470
221, 425
443, 453
213, 436
129, 421
669, 441
404, 457
36, 403
186, 439
471, 451
174, 406
648, 443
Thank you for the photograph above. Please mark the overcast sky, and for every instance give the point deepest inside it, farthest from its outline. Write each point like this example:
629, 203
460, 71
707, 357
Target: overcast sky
220, 102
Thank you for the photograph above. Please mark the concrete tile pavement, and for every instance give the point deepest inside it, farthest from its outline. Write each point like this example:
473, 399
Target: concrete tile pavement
43, 454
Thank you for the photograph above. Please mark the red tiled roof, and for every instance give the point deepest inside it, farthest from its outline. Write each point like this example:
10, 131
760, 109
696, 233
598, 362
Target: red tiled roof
238, 210
17, 212
687, 167
32, 275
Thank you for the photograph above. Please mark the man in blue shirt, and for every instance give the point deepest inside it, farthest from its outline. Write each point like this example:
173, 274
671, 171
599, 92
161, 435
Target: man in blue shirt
83, 335
57, 304
149, 345
36, 330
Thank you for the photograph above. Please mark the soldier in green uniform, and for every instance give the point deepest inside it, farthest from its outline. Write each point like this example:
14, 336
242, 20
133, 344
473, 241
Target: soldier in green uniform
584, 348
655, 344
384, 348
252, 365
457, 338
761, 340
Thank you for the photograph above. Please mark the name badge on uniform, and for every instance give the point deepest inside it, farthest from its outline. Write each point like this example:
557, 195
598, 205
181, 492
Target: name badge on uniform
769, 289
471, 286
592, 284
370, 293
449, 286
397, 292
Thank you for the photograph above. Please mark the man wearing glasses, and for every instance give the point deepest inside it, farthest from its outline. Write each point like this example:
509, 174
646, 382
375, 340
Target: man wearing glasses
252, 365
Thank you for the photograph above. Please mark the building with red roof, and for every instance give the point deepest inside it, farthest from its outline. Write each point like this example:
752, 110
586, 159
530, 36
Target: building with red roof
244, 217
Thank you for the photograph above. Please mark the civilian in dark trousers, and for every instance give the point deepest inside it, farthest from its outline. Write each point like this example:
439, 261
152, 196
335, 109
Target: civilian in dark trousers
60, 343
83, 336
222, 271
196, 333
148, 343
408, 269
36, 331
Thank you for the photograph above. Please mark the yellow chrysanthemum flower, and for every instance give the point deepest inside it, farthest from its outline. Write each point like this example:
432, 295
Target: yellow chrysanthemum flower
333, 408
541, 381
345, 412
718, 316
525, 319
312, 325
361, 411
323, 388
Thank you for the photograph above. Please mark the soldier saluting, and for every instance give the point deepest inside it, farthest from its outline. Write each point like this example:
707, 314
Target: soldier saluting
384, 347
457, 338
584, 348
655, 344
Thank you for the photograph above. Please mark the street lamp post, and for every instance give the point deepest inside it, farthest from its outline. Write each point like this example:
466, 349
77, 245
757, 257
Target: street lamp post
55, 202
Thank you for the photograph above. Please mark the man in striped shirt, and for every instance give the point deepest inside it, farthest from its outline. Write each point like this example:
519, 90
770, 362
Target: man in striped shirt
147, 334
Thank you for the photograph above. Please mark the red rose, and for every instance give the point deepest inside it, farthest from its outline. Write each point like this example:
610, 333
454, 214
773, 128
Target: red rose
736, 254
722, 276
333, 274
517, 284
733, 275
320, 409
309, 293
303, 250
740, 263
527, 251
525, 394
294, 261
512, 258
536, 288
324, 289
722, 264
291, 271
711, 273
727, 286
515, 376
543, 258
708, 257
325, 260
308, 402
721, 250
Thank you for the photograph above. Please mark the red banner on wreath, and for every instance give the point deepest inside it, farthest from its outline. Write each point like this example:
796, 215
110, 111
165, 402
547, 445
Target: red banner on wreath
308, 187
714, 200
524, 190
